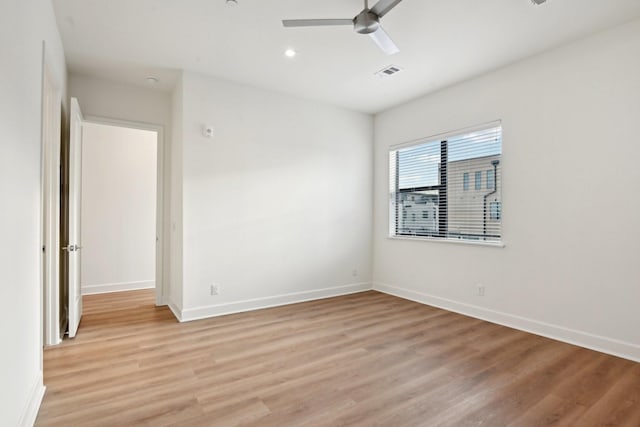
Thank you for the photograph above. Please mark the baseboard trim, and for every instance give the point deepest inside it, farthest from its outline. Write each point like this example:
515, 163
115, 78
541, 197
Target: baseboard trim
117, 287
599, 343
30, 413
267, 302
177, 312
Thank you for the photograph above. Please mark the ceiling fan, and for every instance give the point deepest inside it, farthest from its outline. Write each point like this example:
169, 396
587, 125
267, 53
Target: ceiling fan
366, 22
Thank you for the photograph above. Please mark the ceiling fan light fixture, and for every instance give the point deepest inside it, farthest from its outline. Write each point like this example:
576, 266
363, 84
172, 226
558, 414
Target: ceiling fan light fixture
366, 22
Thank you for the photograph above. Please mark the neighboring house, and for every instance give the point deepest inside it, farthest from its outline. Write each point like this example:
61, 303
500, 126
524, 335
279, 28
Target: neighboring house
474, 200
475, 197
419, 213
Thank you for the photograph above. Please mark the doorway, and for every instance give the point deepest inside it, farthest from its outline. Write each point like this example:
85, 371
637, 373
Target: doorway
61, 216
121, 218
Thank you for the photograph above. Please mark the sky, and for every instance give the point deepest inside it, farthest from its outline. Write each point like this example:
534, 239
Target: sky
419, 164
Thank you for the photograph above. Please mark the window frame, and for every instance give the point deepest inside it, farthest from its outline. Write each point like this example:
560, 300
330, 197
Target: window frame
489, 173
441, 236
495, 210
477, 181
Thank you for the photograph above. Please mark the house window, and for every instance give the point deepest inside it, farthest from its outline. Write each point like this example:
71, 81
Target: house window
495, 211
435, 172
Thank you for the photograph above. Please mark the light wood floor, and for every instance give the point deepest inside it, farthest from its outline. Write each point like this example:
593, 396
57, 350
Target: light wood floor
359, 360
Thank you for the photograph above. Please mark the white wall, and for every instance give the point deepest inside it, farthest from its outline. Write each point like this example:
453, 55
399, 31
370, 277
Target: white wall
106, 99
118, 208
277, 205
24, 25
571, 179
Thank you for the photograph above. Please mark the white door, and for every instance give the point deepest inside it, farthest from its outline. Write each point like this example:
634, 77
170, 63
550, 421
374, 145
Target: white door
75, 242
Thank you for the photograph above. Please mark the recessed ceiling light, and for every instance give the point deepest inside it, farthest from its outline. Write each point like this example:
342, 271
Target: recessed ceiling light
151, 80
290, 53
232, 2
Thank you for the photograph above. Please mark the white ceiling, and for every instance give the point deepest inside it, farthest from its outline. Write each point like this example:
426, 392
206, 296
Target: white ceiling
441, 42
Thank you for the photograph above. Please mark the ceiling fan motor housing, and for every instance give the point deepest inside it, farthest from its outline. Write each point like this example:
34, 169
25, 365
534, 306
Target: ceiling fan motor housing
366, 22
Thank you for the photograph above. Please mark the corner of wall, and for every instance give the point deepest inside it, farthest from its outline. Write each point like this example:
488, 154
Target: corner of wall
175, 296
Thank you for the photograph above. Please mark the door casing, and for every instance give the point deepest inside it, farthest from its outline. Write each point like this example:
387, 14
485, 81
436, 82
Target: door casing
50, 203
160, 288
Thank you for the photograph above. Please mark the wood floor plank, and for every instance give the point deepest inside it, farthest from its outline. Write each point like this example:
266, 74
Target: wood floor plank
359, 360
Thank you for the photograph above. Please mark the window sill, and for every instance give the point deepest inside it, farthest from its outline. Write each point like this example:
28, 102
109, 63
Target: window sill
453, 241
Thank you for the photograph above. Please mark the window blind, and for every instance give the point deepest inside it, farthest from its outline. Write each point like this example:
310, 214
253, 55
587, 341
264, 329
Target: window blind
448, 187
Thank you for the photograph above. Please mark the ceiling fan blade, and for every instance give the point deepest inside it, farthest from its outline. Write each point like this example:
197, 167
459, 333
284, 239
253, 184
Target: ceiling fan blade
315, 22
384, 6
384, 42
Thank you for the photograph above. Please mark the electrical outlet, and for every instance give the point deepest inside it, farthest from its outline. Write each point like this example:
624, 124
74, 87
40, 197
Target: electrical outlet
215, 289
354, 273
480, 290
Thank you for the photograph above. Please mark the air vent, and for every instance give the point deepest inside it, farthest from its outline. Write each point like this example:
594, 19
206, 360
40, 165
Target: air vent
389, 71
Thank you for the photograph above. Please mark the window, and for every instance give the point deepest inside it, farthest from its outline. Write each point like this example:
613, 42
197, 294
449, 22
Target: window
431, 178
495, 211
490, 179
